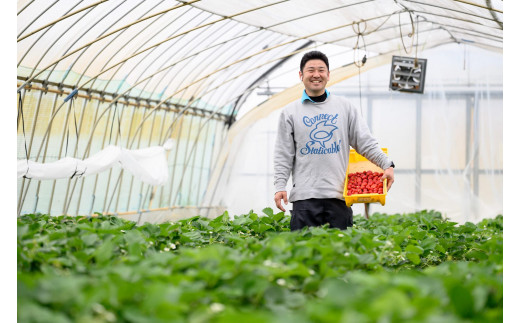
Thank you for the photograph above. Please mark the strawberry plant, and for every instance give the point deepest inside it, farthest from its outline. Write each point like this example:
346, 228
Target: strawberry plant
252, 268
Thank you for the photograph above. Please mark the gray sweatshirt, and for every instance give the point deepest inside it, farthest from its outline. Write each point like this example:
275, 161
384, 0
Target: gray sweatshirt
313, 145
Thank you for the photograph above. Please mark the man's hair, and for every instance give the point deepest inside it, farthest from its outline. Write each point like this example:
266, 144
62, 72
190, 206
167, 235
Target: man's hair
314, 55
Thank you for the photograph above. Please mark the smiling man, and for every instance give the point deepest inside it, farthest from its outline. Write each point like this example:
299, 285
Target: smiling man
314, 136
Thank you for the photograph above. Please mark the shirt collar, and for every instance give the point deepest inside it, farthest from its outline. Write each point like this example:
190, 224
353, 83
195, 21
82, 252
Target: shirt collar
306, 97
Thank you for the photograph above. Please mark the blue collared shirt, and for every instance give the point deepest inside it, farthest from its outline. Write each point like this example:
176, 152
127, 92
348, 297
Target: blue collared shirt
307, 97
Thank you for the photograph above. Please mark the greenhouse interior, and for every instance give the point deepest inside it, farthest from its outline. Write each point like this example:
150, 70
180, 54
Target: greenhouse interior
147, 157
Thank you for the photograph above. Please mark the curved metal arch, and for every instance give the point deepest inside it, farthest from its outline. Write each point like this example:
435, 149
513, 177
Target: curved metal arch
143, 59
86, 31
104, 36
148, 48
190, 58
193, 76
201, 85
37, 17
49, 48
107, 45
191, 101
209, 62
40, 37
77, 40
25, 7
178, 35
244, 95
51, 24
291, 20
267, 56
477, 5
449, 9
121, 66
187, 58
494, 15
194, 99
489, 36
246, 65
448, 17
298, 18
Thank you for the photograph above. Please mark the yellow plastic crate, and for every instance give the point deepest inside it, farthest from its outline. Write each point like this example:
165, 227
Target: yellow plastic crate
358, 163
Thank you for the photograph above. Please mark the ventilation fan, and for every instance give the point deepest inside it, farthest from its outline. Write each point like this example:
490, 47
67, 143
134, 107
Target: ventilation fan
407, 74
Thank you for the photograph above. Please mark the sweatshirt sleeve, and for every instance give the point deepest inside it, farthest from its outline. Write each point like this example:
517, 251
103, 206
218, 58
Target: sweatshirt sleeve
284, 152
363, 142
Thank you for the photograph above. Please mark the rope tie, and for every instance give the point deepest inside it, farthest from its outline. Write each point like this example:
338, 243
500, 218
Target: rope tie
410, 35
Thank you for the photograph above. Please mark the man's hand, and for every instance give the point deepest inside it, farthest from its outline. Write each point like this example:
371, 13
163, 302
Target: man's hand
389, 175
278, 199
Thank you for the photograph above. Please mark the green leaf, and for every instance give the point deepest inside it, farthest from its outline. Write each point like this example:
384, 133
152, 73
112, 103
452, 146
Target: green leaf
32, 312
462, 300
268, 211
476, 254
90, 239
242, 221
413, 257
440, 248
261, 228
104, 252
414, 249
279, 216
428, 243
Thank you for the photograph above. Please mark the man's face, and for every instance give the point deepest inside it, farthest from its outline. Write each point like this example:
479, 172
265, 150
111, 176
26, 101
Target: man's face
315, 76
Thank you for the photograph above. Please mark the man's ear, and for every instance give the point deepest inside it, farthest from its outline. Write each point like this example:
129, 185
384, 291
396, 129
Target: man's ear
301, 75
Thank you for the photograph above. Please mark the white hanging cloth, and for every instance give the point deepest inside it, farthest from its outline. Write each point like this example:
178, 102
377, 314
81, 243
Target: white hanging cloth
148, 164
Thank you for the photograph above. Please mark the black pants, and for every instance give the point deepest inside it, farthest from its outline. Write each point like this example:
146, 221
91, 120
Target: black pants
316, 212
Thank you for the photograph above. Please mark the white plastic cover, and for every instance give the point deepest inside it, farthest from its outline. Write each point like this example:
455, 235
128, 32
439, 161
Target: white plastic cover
147, 164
